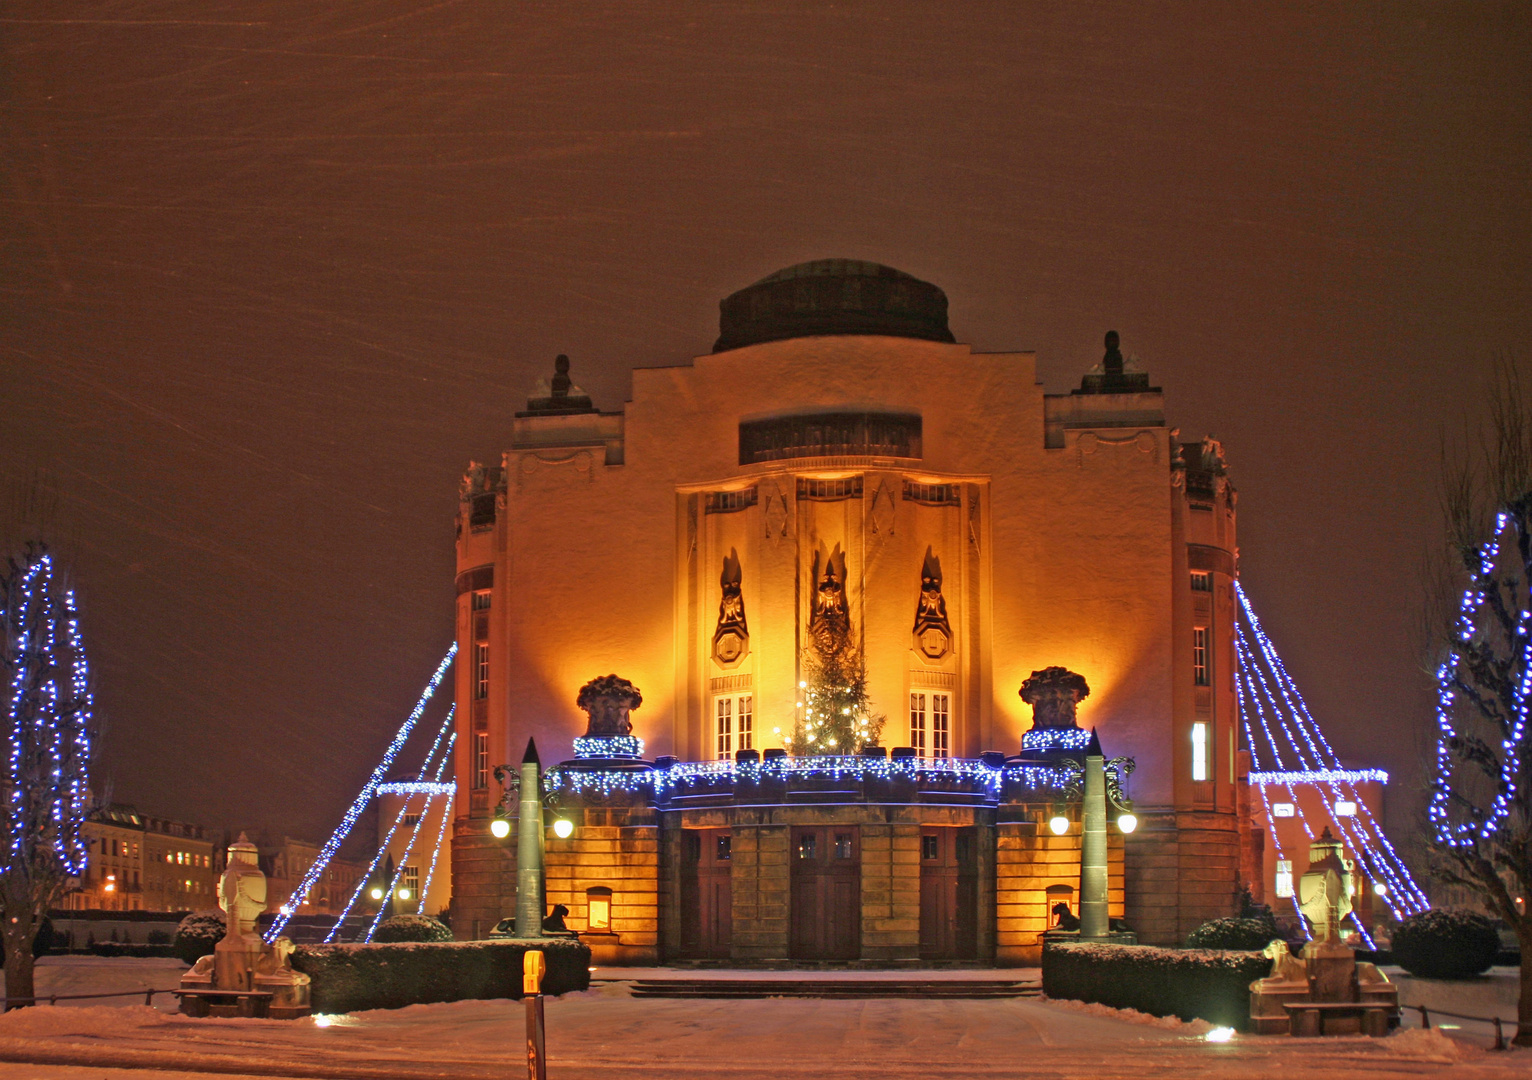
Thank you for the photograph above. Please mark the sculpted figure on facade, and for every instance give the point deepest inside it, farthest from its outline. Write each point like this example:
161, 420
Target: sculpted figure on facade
830, 622
933, 633
1054, 693
731, 638
607, 700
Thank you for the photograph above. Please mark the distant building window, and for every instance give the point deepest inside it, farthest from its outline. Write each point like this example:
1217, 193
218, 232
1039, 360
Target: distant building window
1345, 808
933, 494
724, 728
745, 723
481, 513
481, 600
941, 711
411, 880
918, 724
727, 502
411, 820
929, 847
598, 907
1200, 655
481, 760
849, 487
1202, 581
1199, 751
1282, 809
481, 671
1284, 877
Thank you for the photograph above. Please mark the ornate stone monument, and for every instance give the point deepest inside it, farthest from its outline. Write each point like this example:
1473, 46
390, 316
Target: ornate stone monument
243, 970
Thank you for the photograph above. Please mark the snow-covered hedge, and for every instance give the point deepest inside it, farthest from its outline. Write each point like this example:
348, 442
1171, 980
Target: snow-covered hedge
1446, 944
1188, 983
198, 933
348, 978
1243, 934
411, 928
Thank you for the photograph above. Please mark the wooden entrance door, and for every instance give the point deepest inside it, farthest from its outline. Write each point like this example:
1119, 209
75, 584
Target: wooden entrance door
706, 900
949, 894
827, 893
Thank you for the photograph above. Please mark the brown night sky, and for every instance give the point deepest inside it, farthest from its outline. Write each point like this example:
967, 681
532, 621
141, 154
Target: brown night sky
273, 272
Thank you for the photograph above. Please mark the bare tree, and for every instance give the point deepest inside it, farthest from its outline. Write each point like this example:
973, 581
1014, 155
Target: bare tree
1480, 833
49, 741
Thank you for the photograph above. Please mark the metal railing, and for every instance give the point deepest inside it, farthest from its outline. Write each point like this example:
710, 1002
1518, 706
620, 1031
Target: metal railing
1425, 1021
54, 999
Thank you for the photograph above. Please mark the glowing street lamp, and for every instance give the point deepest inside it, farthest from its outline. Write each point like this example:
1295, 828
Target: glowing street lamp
563, 828
499, 828
376, 893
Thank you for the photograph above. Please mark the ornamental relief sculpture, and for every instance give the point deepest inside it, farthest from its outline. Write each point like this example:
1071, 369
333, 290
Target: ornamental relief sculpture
731, 637
830, 621
933, 633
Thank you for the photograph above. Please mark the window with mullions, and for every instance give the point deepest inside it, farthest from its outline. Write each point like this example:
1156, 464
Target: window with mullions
1284, 877
1202, 581
724, 728
744, 723
1200, 655
480, 671
481, 760
918, 724
481, 600
941, 713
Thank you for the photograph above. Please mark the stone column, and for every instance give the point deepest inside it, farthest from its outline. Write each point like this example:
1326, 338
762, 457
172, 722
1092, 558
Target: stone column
529, 848
1093, 900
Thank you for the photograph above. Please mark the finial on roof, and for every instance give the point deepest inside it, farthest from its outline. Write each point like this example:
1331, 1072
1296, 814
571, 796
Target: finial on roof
1111, 363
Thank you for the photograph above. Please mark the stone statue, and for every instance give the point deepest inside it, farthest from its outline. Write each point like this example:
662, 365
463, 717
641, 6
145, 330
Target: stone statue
1324, 891
1054, 693
560, 395
830, 622
242, 895
1111, 363
607, 701
933, 634
731, 638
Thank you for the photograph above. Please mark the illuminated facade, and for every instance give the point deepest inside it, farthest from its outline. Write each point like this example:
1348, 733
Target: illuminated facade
975, 530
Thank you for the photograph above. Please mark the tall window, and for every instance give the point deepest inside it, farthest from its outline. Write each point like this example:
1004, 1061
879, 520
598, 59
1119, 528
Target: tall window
918, 724
1284, 877
1202, 581
481, 600
481, 760
1199, 751
1200, 655
941, 711
411, 880
481, 670
724, 711
745, 722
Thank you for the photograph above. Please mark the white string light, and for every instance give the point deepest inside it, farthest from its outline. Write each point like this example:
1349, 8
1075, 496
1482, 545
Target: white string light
393, 885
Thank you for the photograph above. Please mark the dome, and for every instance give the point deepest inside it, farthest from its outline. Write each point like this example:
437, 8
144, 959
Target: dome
832, 296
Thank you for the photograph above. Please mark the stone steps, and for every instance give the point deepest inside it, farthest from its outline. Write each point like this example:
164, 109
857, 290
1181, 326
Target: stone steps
832, 988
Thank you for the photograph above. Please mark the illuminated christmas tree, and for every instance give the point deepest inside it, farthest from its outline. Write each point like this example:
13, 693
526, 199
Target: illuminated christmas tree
835, 714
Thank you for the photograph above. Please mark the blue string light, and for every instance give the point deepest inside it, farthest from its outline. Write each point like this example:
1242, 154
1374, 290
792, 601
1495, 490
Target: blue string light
354, 811
393, 885
608, 746
417, 787
441, 834
1321, 776
1055, 739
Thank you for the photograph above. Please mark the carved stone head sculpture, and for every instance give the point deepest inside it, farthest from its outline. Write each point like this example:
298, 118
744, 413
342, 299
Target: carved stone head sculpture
607, 700
1054, 693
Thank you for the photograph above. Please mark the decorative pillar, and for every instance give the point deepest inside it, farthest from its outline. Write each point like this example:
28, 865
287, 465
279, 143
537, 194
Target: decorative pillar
529, 848
1093, 909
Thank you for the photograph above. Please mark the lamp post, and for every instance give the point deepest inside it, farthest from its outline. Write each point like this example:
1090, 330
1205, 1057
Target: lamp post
529, 848
1093, 911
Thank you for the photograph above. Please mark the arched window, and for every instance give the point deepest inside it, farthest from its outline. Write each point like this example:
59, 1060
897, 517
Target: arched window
598, 906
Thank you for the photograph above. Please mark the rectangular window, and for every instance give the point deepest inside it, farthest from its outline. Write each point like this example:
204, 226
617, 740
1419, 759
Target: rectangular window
1284, 877
411, 820
1345, 808
481, 760
481, 600
918, 724
745, 722
1282, 809
598, 906
1200, 656
1199, 751
1202, 581
724, 729
480, 671
411, 881
941, 711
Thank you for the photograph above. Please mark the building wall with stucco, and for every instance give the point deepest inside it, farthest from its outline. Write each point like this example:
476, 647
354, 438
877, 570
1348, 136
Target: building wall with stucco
1063, 525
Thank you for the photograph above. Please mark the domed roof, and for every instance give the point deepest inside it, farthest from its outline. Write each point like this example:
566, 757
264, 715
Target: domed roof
832, 296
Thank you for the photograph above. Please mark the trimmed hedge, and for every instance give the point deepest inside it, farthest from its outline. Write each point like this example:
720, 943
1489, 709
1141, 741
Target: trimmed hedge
1446, 944
1186, 983
198, 933
1241, 934
350, 978
398, 928
122, 948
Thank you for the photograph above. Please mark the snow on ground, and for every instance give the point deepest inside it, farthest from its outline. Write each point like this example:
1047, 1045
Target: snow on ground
604, 1034
108, 975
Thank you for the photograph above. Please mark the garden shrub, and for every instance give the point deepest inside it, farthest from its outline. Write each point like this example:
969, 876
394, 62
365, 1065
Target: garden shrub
198, 933
1186, 983
349, 978
411, 928
159, 937
1239, 933
125, 948
1446, 944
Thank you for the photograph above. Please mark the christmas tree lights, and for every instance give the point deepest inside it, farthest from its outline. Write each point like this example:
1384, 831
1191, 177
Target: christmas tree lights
354, 811
393, 885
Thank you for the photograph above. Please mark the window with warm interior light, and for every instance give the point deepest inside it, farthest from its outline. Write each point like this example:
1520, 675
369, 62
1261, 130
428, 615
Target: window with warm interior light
1200, 655
480, 671
481, 760
941, 713
744, 723
411, 879
598, 906
1202, 581
1199, 751
1284, 877
918, 724
1345, 808
1282, 809
723, 728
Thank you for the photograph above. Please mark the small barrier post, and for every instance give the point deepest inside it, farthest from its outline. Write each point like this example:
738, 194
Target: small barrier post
1499, 1035
531, 990
1425, 1018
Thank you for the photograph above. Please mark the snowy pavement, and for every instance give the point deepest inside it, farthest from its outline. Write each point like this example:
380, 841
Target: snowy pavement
606, 1035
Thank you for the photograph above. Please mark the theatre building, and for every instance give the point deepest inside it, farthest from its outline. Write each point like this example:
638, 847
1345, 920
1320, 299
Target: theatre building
1008, 569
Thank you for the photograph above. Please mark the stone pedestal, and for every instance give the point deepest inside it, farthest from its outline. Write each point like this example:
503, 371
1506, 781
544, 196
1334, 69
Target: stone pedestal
1331, 970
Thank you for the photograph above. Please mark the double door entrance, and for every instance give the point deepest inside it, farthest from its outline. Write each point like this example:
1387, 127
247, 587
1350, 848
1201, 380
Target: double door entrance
826, 906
